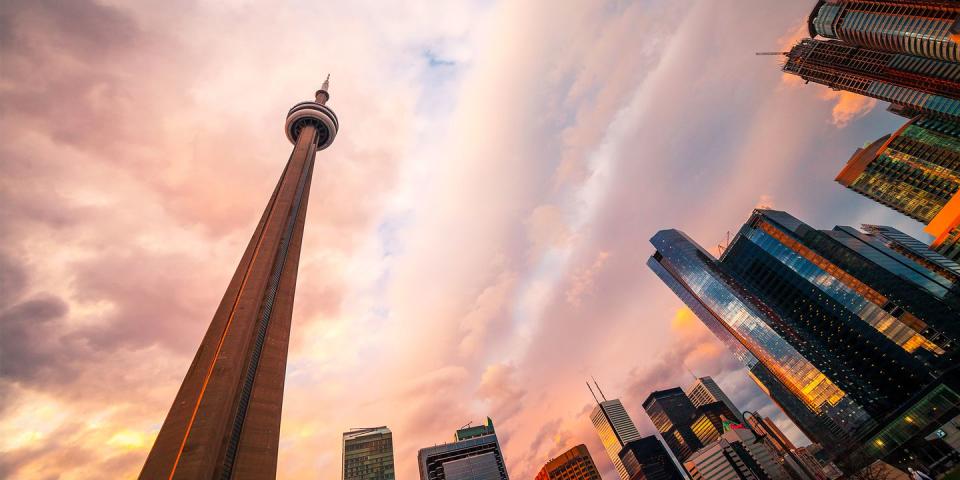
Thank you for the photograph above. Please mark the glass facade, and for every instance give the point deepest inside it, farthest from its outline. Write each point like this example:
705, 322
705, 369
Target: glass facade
913, 27
646, 459
368, 454
475, 455
705, 390
850, 327
922, 85
673, 415
615, 429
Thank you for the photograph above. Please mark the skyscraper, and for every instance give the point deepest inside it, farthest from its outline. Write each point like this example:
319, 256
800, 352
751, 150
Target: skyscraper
473, 455
838, 328
915, 171
225, 420
614, 427
765, 427
368, 454
673, 414
738, 454
647, 459
574, 464
917, 27
918, 85
705, 390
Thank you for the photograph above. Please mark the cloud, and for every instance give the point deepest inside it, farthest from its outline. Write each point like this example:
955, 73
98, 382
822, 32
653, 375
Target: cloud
848, 106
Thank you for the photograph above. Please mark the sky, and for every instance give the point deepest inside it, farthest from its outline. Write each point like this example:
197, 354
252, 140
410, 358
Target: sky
477, 234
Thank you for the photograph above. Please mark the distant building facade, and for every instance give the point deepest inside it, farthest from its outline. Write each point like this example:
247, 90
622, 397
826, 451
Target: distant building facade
673, 415
736, 455
368, 454
647, 459
473, 455
705, 390
574, 464
765, 428
844, 333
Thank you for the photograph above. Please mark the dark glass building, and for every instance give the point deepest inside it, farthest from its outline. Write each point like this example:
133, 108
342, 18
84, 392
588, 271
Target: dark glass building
917, 27
920, 85
673, 414
646, 459
838, 328
473, 455
709, 419
915, 171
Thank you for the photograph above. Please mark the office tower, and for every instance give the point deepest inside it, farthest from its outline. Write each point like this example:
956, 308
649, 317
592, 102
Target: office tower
673, 414
916, 27
915, 250
738, 454
705, 390
368, 454
614, 427
918, 85
225, 419
915, 171
574, 464
836, 327
765, 428
647, 459
473, 455
711, 420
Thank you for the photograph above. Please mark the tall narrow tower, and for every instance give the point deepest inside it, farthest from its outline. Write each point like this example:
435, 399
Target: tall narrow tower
225, 421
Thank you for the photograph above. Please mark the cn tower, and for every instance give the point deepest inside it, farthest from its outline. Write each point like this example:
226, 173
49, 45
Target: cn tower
225, 420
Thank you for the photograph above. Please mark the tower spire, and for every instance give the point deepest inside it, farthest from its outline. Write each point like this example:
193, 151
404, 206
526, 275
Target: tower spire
604, 397
591, 392
324, 93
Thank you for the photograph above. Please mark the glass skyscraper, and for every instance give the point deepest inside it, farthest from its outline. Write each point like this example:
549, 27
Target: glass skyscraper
673, 414
368, 454
473, 455
705, 391
837, 327
647, 459
916, 27
915, 171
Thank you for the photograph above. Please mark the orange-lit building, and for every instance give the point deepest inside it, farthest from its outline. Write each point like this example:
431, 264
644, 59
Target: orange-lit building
915, 171
574, 464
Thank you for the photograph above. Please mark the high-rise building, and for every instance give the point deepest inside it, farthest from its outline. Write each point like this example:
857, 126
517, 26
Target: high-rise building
917, 27
839, 329
919, 85
473, 455
614, 427
225, 419
710, 421
368, 454
765, 428
705, 390
574, 464
915, 250
737, 455
673, 414
915, 171
647, 459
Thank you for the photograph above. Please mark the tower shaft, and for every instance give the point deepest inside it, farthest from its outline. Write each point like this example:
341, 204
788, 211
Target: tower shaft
225, 420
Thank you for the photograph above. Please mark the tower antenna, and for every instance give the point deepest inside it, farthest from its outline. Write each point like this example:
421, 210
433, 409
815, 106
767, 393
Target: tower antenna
604, 397
591, 393
690, 372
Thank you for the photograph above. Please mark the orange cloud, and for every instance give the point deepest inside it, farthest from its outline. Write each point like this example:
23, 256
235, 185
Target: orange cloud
848, 107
